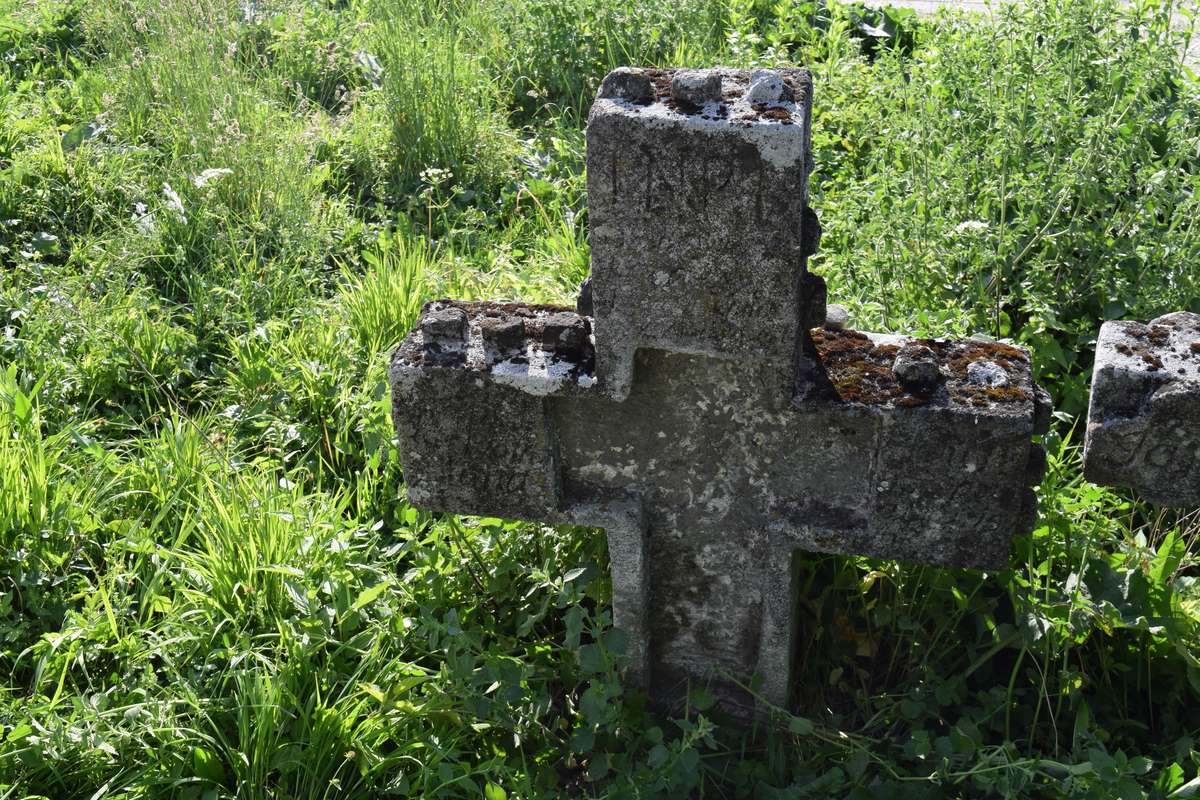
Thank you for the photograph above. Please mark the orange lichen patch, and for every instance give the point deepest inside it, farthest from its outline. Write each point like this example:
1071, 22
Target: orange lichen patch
964, 354
660, 79
860, 371
1195, 346
777, 113
1137, 330
984, 395
1153, 362
1012, 359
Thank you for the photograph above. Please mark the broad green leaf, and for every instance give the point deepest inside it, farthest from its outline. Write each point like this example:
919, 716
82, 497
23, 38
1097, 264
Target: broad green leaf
19, 732
591, 658
1168, 558
573, 622
79, 134
800, 726
593, 705
370, 595
615, 641
297, 593
582, 740
207, 766
44, 242
22, 407
1170, 779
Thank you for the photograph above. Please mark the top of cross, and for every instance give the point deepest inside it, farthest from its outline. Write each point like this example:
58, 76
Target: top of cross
699, 223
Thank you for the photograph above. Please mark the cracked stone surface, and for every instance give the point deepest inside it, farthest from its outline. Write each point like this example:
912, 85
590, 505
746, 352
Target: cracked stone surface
703, 414
1144, 417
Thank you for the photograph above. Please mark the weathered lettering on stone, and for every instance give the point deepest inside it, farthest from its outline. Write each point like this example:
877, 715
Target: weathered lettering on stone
1144, 417
704, 415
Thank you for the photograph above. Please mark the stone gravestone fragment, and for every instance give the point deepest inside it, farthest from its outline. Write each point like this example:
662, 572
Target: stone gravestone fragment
704, 416
1144, 417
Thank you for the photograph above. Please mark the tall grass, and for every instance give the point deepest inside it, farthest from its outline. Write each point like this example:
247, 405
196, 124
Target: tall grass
382, 305
444, 106
555, 52
27, 500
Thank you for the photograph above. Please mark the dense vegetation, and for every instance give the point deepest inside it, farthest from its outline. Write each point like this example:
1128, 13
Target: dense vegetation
217, 217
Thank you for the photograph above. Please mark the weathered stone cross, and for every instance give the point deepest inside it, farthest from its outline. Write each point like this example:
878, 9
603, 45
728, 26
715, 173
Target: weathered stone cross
697, 408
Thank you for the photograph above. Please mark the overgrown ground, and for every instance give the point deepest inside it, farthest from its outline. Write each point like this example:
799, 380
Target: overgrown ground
216, 218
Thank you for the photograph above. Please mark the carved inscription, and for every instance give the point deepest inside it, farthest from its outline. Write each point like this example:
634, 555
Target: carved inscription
683, 182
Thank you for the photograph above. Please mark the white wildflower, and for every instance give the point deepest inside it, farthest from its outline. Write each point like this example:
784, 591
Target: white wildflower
173, 202
143, 218
210, 175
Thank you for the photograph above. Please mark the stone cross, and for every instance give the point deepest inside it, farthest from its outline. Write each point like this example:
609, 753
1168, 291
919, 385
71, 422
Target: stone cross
696, 407
1144, 416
